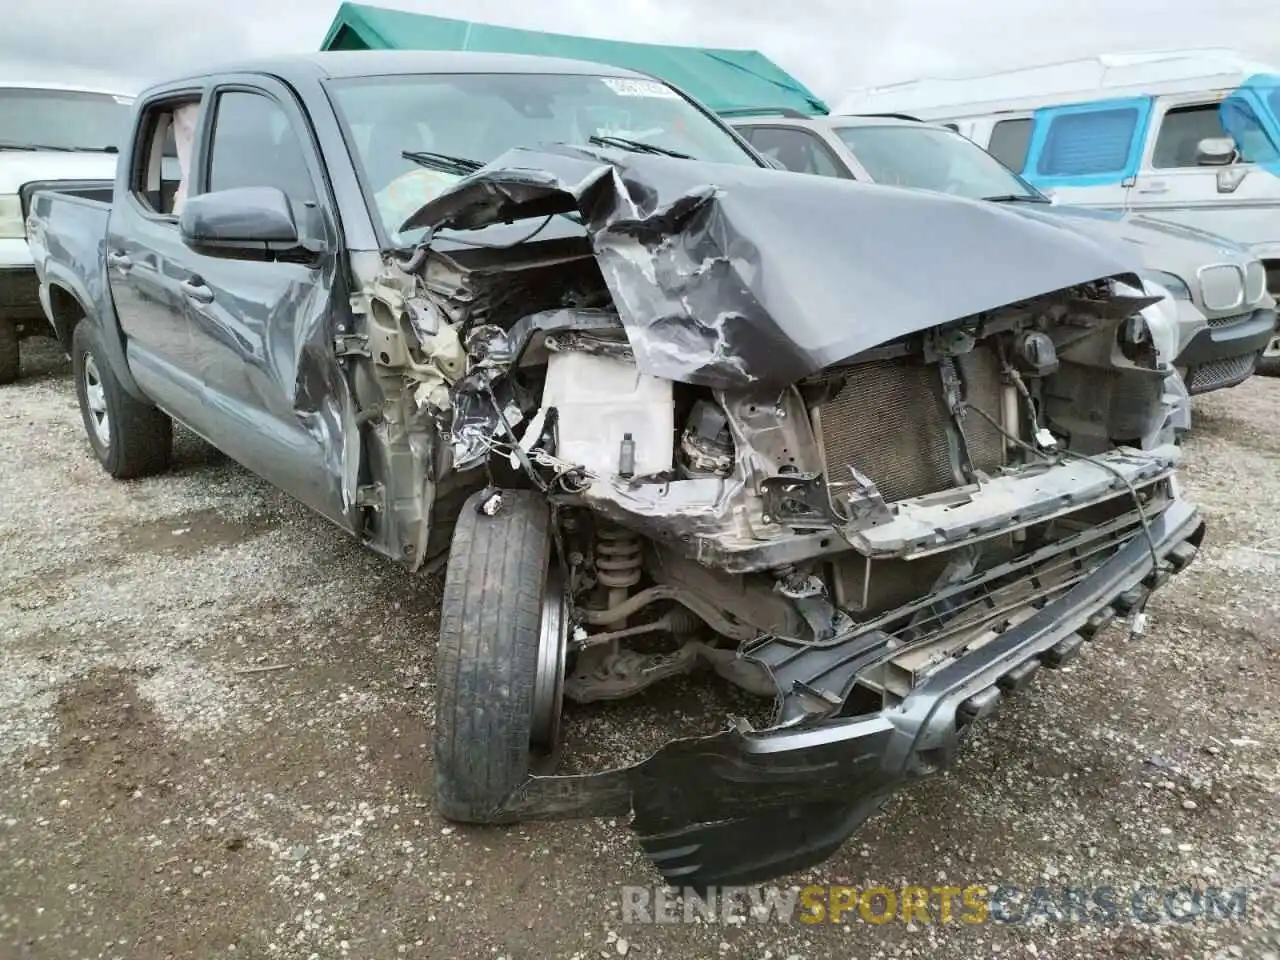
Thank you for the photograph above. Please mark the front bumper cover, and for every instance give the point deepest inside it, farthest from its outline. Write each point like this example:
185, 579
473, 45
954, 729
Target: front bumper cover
1216, 356
745, 806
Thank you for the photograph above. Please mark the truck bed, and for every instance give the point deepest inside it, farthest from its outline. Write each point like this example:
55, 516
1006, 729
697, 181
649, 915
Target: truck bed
66, 222
96, 192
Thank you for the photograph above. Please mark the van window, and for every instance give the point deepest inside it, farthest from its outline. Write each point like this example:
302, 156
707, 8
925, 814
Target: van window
1088, 143
1009, 142
1181, 130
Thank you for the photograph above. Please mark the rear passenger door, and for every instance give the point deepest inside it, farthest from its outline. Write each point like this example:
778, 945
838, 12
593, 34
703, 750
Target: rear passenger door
147, 263
263, 328
1240, 201
1089, 153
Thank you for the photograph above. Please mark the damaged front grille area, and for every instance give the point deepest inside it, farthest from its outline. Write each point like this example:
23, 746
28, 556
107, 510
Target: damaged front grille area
890, 422
878, 662
941, 631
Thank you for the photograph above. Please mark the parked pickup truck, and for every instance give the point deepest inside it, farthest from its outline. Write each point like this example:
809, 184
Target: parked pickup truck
47, 132
873, 455
1219, 287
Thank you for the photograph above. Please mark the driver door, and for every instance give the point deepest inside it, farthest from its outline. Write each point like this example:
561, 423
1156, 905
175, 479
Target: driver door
263, 329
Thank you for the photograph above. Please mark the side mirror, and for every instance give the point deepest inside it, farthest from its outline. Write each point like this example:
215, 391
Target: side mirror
249, 223
1215, 152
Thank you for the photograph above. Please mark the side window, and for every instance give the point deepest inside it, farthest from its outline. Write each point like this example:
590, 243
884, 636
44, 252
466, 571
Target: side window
1181, 131
162, 163
797, 150
1088, 143
1009, 142
254, 145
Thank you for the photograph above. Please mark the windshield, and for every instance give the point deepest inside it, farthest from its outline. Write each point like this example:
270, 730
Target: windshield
478, 117
62, 119
931, 159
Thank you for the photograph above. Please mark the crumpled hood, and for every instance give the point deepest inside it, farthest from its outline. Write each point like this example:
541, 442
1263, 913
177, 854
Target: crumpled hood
732, 275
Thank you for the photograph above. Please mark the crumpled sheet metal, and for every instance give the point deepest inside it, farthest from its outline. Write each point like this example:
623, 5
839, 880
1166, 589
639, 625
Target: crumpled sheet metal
730, 276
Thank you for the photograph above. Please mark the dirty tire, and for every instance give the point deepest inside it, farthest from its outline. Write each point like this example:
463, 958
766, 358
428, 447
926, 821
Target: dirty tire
10, 363
487, 654
141, 437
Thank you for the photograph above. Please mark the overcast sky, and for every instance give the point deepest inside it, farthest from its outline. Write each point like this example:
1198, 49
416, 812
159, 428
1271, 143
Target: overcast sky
831, 45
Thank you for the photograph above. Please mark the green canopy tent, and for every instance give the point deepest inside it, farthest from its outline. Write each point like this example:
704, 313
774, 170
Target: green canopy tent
724, 80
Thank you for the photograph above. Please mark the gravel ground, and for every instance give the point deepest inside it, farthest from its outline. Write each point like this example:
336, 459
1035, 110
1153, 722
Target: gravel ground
157, 800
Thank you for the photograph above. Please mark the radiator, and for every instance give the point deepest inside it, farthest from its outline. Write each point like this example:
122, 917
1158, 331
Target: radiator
890, 423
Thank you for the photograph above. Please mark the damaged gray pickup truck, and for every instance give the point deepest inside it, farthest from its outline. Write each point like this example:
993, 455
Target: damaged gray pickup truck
873, 453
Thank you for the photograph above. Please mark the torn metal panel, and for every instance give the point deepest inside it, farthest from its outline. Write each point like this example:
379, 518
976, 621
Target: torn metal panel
731, 276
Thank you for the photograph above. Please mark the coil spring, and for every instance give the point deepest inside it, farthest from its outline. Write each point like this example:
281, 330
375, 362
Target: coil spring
618, 558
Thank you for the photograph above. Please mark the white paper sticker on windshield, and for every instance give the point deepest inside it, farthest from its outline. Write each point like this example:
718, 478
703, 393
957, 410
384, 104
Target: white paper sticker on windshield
626, 87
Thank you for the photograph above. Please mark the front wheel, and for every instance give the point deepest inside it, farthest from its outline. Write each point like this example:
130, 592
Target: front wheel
129, 438
501, 656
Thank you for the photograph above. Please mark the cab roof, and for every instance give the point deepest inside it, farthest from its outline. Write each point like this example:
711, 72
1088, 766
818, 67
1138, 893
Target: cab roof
338, 64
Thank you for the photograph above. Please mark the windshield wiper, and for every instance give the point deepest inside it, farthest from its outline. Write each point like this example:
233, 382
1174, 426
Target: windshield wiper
1017, 198
15, 145
442, 161
636, 146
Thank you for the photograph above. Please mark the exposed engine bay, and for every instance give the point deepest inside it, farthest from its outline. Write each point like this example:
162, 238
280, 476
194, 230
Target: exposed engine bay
732, 481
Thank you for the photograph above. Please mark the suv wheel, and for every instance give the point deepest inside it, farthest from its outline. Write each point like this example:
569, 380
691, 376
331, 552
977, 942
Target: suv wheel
9, 361
500, 660
129, 438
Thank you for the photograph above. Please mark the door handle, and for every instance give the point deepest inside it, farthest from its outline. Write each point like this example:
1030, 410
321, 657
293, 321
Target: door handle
119, 261
197, 290
1158, 187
